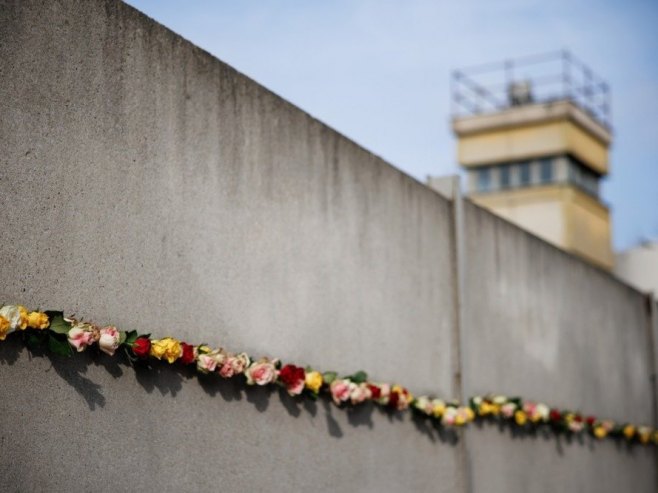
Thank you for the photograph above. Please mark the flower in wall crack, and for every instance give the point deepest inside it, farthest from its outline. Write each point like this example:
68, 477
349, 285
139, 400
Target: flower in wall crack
423, 404
261, 372
5, 328
600, 432
208, 360
234, 365
574, 422
536, 412
438, 408
457, 415
293, 379
141, 347
601, 429
464, 415
400, 398
384, 394
359, 392
188, 353
167, 348
109, 340
16, 315
82, 334
555, 416
340, 390
644, 434
520, 417
488, 405
313, 381
37, 320
508, 409
449, 417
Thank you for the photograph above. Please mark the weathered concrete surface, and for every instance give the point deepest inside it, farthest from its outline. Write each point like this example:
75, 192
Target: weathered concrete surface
70, 426
146, 184
547, 326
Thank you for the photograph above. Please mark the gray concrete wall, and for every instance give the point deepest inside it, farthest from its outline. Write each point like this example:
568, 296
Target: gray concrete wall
547, 326
146, 184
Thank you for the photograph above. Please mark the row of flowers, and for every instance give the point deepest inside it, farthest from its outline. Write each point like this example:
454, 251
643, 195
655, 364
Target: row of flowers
66, 335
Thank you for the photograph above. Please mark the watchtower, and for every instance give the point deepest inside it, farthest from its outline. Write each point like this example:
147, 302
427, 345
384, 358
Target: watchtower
533, 136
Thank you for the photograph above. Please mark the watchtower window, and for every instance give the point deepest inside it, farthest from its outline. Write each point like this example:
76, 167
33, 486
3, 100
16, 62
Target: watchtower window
546, 170
484, 179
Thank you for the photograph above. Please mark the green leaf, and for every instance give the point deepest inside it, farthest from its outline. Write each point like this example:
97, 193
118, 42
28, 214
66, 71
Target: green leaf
359, 377
59, 346
129, 338
57, 323
329, 376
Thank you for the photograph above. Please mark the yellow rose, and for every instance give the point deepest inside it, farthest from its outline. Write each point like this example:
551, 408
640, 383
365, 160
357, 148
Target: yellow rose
644, 434
23, 312
629, 431
489, 408
313, 381
16, 315
169, 348
470, 415
520, 417
438, 408
4, 328
600, 432
38, 320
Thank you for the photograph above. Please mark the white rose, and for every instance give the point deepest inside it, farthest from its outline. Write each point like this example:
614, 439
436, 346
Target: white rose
15, 315
109, 340
543, 411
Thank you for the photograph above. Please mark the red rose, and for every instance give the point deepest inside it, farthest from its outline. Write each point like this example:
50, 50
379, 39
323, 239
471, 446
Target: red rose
187, 358
375, 391
141, 347
393, 399
293, 378
555, 415
590, 420
578, 418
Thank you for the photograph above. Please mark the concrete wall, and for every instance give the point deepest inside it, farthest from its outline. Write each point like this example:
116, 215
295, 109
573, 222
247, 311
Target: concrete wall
147, 184
544, 325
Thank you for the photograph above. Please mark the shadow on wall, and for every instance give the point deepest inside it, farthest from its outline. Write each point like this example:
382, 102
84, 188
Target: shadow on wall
169, 380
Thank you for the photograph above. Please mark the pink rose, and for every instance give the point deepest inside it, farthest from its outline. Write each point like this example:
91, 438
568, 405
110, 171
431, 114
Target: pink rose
384, 394
529, 408
82, 335
227, 371
340, 390
508, 409
207, 362
261, 372
240, 363
449, 416
359, 393
109, 340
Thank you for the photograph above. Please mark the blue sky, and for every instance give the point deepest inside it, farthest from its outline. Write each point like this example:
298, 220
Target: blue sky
378, 71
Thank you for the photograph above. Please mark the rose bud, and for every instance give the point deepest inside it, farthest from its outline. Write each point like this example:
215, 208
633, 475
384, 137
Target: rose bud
141, 347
